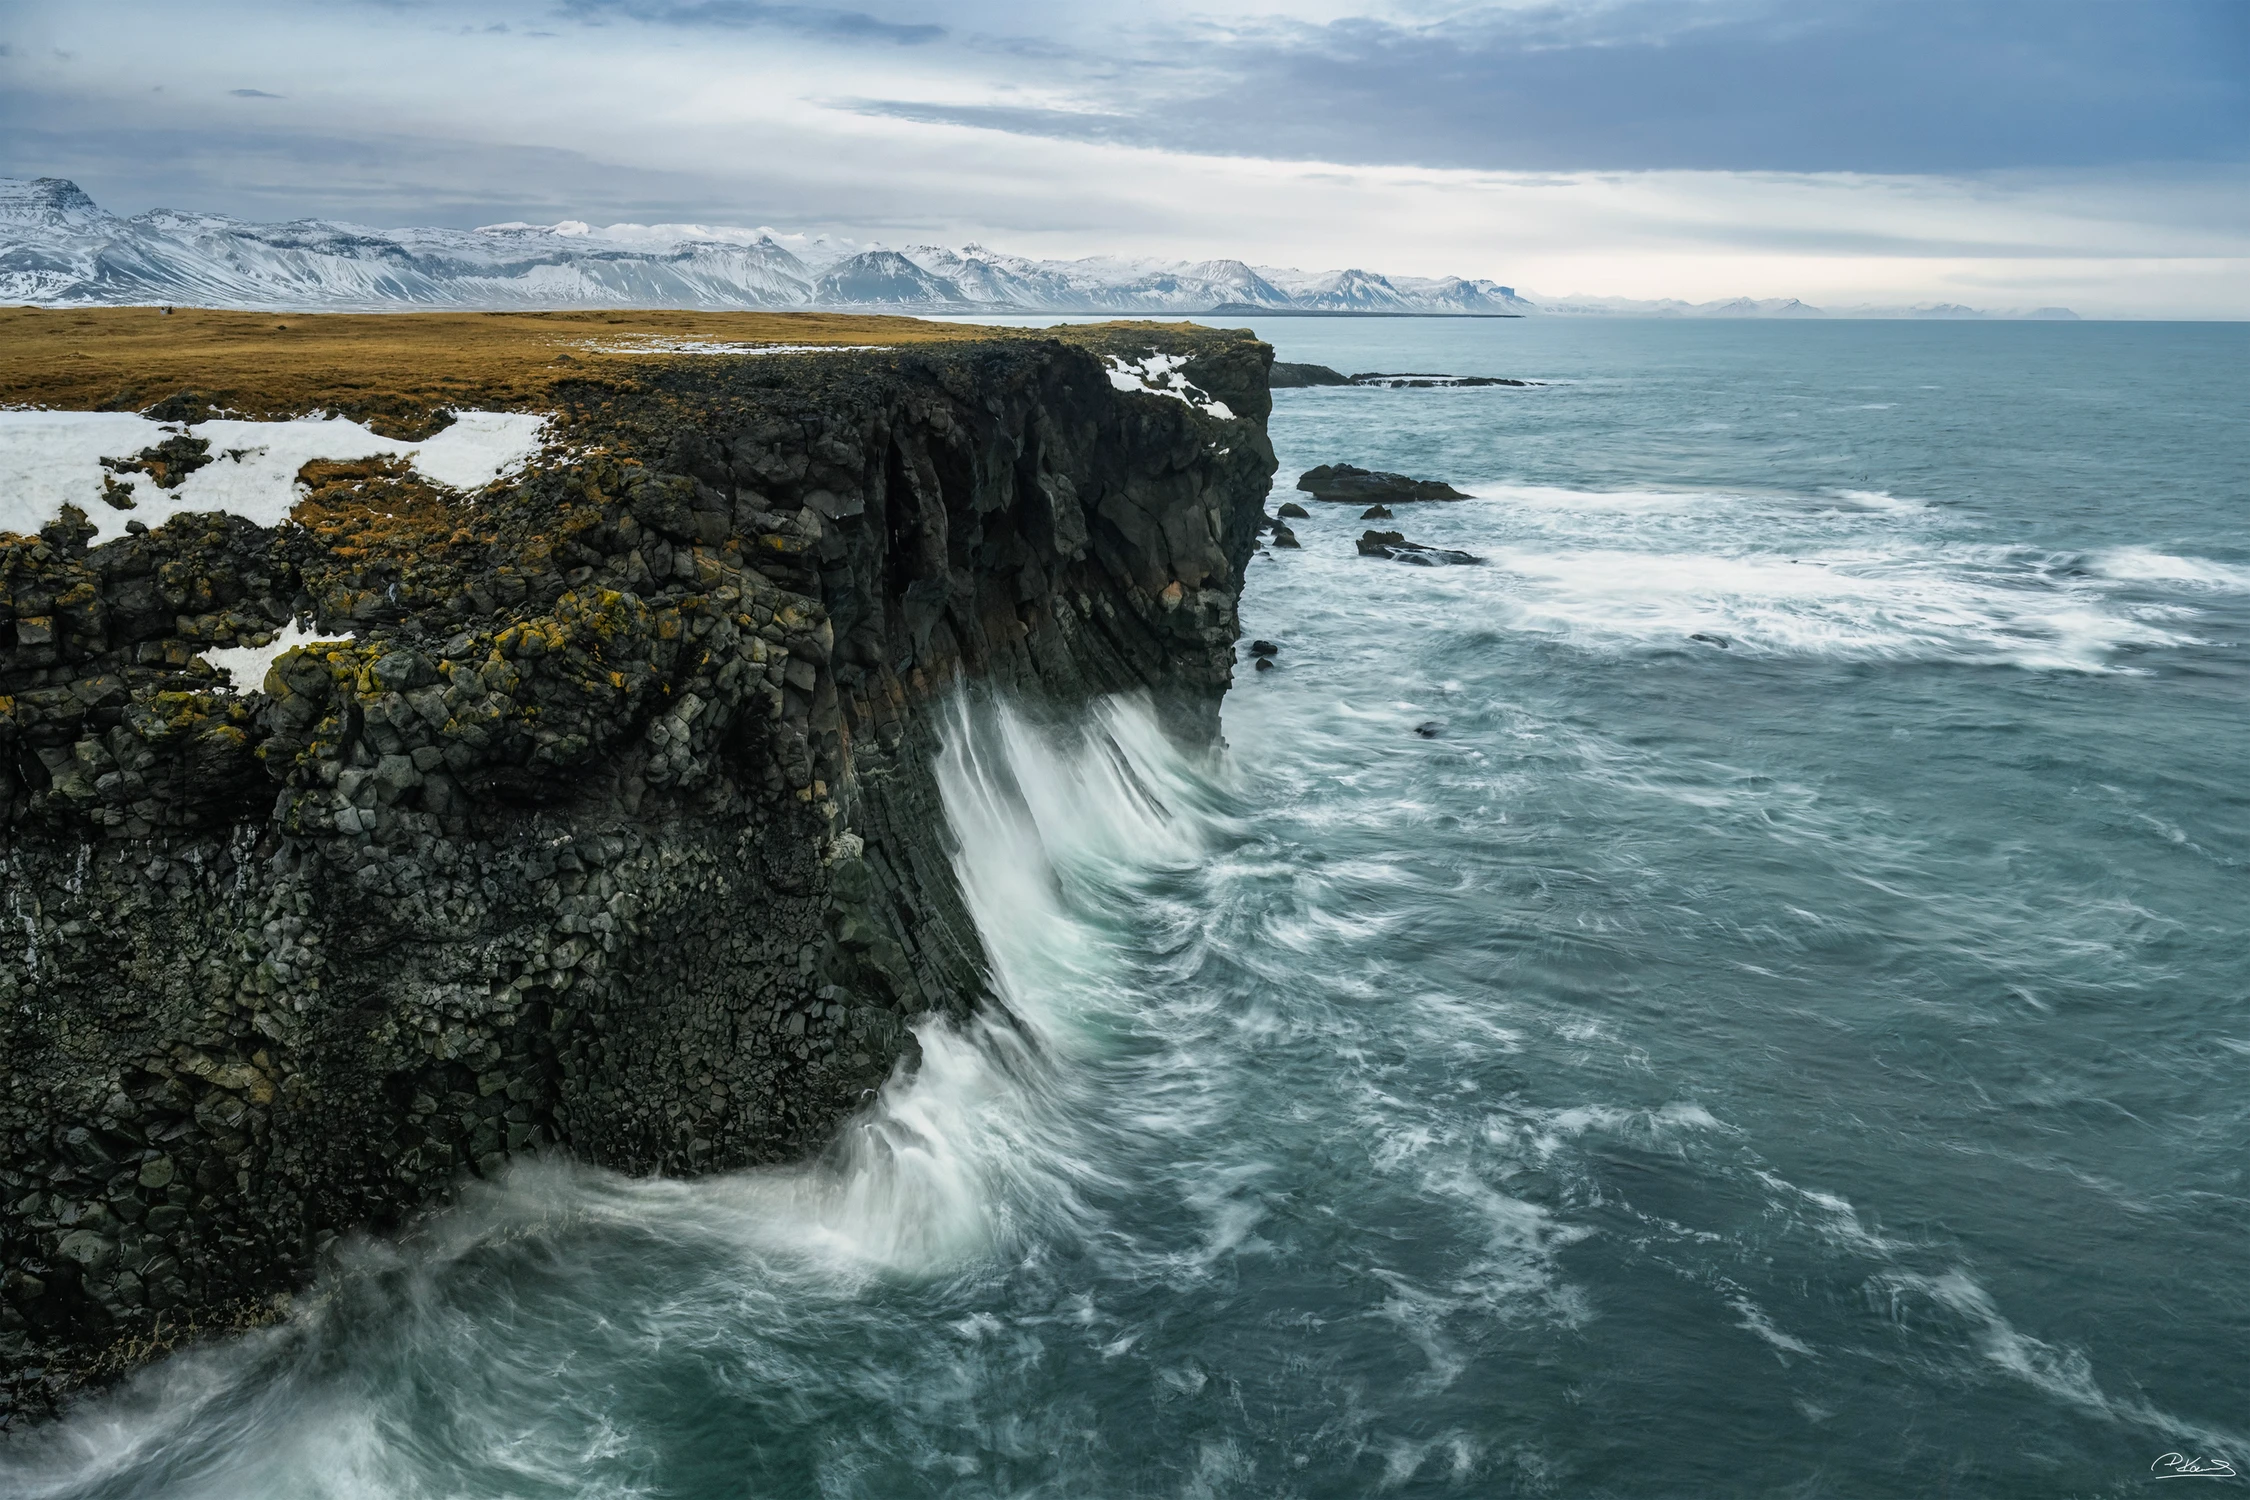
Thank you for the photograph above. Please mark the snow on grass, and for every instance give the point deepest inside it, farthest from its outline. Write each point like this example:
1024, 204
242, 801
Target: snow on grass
711, 346
52, 458
1158, 375
247, 665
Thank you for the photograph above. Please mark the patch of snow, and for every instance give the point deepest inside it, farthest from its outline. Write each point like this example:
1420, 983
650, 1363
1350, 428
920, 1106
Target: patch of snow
52, 458
48, 458
247, 666
707, 346
1158, 375
478, 448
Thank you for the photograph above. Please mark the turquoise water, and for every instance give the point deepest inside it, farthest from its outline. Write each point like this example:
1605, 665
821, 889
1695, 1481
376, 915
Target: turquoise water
1813, 1065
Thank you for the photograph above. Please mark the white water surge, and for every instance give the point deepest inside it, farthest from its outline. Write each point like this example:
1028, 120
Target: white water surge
1854, 575
517, 1309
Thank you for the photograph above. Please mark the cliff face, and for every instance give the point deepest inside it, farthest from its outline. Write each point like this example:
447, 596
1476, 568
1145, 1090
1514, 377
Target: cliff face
609, 830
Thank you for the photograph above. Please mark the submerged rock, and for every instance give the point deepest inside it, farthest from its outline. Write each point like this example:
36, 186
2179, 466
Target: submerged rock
1397, 548
1430, 729
1343, 483
1719, 641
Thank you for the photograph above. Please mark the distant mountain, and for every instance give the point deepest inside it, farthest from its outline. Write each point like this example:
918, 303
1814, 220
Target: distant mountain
1777, 307
59, 248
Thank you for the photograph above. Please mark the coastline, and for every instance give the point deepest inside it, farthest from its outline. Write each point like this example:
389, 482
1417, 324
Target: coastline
598, 819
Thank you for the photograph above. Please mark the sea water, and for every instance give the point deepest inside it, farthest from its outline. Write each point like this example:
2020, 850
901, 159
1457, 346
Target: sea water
1745, 991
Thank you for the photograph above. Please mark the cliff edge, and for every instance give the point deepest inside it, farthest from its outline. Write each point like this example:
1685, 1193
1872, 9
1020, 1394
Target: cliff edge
590, 811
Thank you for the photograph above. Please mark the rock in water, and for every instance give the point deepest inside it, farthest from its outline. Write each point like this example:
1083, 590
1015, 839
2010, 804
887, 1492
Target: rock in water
1264, 648
1343, 483
1284, 537
1292, 511
1296, 377
1376, 513
1719, 641
1430, 729
1265, 664
1397, 548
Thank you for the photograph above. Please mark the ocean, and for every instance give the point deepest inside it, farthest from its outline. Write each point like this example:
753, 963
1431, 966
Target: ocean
1743, 992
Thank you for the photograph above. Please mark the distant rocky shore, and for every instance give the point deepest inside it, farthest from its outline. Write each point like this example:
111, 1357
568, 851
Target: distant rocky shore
1303, 376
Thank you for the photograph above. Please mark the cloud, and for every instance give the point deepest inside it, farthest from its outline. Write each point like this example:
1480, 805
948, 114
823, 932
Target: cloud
1055, 124
1603, 146
252, 94
737, 15
1745, 85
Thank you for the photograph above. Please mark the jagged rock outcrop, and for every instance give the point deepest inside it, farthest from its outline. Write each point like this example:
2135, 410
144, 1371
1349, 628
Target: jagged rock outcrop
609, 830
1346, 484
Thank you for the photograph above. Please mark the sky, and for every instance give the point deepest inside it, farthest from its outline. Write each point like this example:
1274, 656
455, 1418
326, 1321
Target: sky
2001, 153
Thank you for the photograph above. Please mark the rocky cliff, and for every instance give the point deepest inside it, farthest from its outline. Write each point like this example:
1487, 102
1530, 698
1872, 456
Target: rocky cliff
606, 826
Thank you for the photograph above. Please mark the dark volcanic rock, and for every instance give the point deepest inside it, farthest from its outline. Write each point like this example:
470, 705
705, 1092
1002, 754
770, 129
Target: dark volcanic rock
610, 830
1296, 377
1376, 513
1343, 483
1291, 510
1395, 546
1284, 537
1264, 648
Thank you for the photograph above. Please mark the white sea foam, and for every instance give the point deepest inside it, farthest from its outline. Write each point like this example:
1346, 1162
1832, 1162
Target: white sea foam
2147, 565
49, 459
1909, 603
1754, 1320
1880, 500
1566, 501
1846, 575
2058, 1370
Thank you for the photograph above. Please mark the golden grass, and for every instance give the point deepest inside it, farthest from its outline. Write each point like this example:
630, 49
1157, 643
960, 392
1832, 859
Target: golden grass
374, 365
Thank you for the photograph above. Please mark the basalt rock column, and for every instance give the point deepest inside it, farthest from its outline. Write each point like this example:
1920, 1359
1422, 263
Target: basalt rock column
602, 821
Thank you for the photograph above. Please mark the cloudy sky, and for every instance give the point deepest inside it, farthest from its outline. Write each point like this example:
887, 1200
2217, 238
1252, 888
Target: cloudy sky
2094, 153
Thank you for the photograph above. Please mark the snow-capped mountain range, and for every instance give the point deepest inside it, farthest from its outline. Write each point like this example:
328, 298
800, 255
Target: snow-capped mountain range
60, 248
57, 246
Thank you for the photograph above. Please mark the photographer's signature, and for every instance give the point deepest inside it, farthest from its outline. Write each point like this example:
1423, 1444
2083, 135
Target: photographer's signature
2180, 1466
